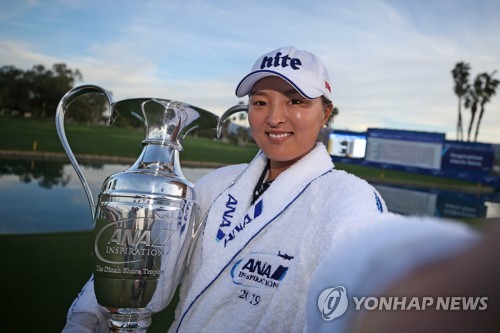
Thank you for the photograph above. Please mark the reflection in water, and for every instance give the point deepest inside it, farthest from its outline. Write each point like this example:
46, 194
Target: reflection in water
46, 196
433, 202
46, 173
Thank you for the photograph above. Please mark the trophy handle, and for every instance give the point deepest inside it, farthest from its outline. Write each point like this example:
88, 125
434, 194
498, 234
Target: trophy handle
62, 107
229, 112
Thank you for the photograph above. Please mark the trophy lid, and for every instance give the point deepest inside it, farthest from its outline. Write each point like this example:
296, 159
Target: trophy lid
157, 171
167, 122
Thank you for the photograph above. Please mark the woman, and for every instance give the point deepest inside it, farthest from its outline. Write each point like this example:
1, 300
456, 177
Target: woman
268, 223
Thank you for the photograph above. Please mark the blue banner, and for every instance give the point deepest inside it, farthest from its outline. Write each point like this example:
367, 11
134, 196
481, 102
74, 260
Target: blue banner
467, 156
404, 135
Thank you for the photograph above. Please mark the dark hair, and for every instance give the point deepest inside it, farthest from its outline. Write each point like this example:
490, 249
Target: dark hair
326, 101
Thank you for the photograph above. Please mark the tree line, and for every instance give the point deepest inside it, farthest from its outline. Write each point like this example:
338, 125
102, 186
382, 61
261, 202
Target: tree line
472, 96
35, 93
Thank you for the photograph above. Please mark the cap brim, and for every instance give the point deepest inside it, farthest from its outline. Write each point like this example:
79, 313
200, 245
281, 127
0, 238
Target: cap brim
246, 84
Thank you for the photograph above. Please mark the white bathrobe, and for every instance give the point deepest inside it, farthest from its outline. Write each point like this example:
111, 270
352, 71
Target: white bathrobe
251, 269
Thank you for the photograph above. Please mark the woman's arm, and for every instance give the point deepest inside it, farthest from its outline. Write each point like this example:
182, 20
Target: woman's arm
474, 273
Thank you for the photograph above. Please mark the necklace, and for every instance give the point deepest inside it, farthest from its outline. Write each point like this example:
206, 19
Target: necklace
261, 186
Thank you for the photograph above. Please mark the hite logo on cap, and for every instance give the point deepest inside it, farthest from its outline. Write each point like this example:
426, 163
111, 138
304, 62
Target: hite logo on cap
303, 70
278, 60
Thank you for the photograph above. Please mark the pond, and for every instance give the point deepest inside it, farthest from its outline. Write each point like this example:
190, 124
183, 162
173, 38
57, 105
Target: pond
46, 196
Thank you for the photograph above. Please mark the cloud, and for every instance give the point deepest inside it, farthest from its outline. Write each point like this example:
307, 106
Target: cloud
23, 55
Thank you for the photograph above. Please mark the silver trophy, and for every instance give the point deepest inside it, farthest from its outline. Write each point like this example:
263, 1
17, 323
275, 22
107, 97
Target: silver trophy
146, 219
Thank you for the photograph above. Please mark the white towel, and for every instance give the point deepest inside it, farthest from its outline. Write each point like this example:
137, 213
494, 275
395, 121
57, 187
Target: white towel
85, 315
251, 270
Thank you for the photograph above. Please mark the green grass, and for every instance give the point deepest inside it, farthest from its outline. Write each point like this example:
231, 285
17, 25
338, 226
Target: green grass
377, 174
42, 275
20, 134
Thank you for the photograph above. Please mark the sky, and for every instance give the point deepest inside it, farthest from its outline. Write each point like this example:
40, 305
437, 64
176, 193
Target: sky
389, 61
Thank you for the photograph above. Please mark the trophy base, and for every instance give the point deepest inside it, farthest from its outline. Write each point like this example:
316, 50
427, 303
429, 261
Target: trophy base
128, 320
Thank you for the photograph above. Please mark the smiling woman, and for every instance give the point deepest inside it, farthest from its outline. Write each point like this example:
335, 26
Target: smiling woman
284, 124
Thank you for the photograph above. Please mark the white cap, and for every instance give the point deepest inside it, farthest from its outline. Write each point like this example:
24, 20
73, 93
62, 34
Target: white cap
302, 69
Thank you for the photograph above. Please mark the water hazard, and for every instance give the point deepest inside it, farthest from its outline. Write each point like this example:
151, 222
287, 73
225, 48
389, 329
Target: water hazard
47, 196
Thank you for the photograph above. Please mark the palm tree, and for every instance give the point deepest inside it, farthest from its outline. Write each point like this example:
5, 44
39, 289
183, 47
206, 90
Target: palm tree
472, 98
334, 113
489, 86
461, 77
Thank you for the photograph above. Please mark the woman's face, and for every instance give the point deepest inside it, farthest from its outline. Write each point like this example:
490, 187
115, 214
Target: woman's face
284, 124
